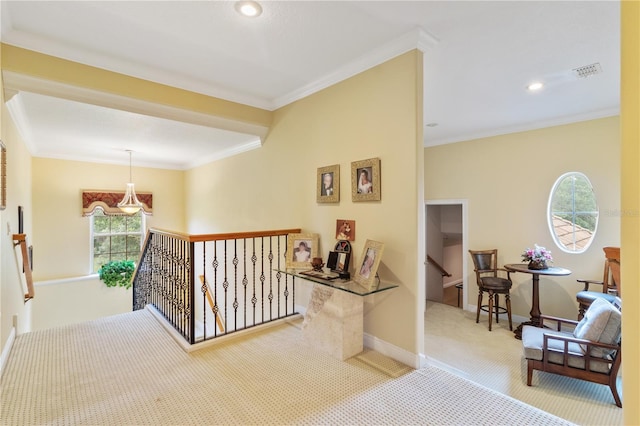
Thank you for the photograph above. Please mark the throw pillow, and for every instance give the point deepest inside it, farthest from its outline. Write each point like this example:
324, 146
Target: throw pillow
601, 323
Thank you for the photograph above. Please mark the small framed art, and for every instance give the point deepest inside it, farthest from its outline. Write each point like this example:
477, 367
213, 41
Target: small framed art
368, 267
365, 180
301, 248
328, 184
346, 229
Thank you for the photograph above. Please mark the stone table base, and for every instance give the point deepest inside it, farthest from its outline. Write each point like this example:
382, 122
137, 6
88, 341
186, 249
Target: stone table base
334, 322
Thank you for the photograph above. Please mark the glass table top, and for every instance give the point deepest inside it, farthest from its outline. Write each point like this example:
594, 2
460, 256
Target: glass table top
349, 286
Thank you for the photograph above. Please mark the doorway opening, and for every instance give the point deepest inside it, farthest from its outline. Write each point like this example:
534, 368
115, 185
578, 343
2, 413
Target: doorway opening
446, 242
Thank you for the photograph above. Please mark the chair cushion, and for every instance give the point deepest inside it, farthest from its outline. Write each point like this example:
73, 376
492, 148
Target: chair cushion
587, 297
495, 283
601, 323
533, 340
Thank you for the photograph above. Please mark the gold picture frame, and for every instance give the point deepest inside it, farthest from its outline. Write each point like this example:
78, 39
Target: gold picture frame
329, 175
3, 176
365, 180
368, 267
301, 249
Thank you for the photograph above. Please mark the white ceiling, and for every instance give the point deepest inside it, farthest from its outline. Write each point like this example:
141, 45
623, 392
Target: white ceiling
479, 56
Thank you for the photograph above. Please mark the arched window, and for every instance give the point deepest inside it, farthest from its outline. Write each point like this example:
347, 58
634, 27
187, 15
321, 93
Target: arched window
572, 212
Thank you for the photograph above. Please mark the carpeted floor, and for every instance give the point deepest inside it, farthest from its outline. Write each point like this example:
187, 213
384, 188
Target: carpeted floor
455, 342
127, 370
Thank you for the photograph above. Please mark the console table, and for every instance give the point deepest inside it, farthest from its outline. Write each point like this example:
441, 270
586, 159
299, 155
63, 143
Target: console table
334, 321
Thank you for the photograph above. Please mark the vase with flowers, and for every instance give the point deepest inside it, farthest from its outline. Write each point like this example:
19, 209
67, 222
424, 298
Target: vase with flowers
538, 257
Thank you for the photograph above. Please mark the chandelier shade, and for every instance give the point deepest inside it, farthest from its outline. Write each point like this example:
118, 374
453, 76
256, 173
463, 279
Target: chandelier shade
130, 203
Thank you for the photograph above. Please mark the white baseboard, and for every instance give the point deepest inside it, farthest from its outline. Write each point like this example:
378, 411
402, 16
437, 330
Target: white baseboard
187, 347
441, 365
392, 351
7, 349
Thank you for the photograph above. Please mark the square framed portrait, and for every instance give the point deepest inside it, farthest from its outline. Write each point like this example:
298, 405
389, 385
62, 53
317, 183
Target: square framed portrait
346, 229
328, 184
301, 248
367, 267
365, 180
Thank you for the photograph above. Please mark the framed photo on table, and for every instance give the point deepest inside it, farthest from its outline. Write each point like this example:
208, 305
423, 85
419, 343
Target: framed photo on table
301, 248
328, 184
365, 180
368, 267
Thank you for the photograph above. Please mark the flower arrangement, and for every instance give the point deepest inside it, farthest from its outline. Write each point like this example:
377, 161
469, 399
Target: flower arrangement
537, 257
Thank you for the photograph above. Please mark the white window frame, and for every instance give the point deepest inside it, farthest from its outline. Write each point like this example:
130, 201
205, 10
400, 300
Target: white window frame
556, 240
143, 230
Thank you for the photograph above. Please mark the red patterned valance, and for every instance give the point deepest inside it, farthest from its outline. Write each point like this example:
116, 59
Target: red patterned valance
108, 201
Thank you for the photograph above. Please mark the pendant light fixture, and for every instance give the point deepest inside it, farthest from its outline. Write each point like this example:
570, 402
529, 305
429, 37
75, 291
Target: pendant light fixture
130, 203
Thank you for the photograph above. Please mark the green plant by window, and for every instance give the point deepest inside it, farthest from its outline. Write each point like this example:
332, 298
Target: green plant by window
117, 273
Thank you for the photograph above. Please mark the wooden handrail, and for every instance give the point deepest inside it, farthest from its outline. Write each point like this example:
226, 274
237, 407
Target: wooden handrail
226, 236
21, 240
438, 266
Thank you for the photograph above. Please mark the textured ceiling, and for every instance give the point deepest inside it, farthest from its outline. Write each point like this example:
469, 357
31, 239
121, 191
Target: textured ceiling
475, 75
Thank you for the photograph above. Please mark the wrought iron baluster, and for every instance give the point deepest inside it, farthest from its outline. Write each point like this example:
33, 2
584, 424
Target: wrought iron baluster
270, 278
254, 300
235, 284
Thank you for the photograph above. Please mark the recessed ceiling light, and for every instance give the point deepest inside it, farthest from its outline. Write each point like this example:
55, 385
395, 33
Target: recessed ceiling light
533, 87
250, 9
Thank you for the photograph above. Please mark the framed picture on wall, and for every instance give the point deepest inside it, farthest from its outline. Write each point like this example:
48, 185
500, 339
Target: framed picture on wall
368, 267
328, 184
301, 248
346, 229
365, 180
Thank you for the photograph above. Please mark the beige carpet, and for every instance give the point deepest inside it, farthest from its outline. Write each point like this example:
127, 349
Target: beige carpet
494, 359
127, 370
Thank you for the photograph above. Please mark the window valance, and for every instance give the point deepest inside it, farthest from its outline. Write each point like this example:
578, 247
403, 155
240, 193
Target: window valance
108, 201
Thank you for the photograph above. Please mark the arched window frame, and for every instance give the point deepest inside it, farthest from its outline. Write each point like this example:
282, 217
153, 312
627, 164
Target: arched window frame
551, 217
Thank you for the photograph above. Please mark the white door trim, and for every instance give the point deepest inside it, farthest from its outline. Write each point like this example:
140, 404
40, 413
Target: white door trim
465, 238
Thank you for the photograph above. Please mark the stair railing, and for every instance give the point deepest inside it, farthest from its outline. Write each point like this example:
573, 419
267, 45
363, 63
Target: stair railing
439, 267
238, 285
21, 240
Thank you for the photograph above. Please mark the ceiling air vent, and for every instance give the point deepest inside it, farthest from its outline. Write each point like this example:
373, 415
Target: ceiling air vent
587, 70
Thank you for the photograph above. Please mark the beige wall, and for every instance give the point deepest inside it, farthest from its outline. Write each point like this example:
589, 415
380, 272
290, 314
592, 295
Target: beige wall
507, 179
630, 162
71, 301
61, 233
12, 284
370, 115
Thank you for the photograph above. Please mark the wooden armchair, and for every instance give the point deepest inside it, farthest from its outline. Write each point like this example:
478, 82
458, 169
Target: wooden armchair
610, 282
594, 359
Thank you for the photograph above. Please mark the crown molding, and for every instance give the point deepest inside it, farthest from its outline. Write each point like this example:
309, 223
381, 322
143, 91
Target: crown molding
19, 117
418, 38
20, 82
224, 154
86, 57
594, 115
415, 39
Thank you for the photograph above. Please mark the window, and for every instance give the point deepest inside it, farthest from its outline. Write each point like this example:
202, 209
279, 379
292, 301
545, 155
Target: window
115, 237
572, 212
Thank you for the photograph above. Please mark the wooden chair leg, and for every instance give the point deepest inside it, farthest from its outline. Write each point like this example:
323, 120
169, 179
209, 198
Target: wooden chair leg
613, 385
529, 372
479, 306
497, 307
490, 308
507, 298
